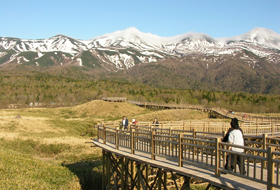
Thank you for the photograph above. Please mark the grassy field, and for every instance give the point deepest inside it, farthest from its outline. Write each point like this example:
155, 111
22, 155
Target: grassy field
46, 147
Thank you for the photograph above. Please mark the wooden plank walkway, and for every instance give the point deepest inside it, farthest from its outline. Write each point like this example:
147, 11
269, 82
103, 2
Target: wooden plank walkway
225, 181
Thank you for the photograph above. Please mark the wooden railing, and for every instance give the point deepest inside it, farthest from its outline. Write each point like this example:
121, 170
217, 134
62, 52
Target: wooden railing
260, 159
249, 128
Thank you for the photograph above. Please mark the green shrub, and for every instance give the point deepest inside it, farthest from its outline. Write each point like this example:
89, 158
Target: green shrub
52, 149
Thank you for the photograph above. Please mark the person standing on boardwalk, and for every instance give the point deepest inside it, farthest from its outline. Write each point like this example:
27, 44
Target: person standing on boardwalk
134, 122
125, 122
155, 123
236, 137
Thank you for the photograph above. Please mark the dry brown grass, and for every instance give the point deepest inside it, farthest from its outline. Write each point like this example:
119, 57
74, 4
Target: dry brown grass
28, 124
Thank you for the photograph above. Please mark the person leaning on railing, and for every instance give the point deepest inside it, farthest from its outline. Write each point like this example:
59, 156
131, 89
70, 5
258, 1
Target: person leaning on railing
234, 136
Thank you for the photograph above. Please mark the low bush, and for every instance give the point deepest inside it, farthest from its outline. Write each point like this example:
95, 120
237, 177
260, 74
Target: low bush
53, 149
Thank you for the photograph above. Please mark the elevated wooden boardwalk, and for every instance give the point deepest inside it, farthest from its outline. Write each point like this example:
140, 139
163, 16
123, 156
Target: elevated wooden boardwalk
193, 156
217, 111
225, 181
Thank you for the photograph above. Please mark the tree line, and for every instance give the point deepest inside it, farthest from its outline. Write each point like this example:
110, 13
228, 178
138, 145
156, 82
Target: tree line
52, 90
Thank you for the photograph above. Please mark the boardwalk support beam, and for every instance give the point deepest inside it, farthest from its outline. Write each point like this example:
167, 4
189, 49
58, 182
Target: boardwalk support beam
120, 173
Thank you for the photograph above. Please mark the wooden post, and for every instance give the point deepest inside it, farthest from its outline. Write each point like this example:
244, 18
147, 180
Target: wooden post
170, 131
257, 128
180, 156
117, 139
122, 160
265, 148
108, 168
194, 142
132, 168
270, 168
103, 170
250, 127
270, 124
159, 178
138, 176
165, 179
272, 129
104, 134
98, 132
194, 133
217, 159
146, 171
264, 141
132, 141
153, 157
126, 171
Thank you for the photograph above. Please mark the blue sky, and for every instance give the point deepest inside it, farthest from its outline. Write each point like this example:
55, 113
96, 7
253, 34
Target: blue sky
86, 19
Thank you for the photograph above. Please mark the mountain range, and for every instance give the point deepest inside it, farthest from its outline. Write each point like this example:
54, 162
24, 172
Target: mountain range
248, 62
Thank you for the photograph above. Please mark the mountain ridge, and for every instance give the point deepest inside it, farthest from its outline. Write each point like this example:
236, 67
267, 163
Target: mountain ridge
195, 58
133, 34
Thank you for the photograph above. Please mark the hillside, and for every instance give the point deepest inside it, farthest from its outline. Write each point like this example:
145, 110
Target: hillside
207, 73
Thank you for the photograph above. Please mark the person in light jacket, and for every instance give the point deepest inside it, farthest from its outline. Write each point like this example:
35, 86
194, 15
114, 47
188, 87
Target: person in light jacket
236, 137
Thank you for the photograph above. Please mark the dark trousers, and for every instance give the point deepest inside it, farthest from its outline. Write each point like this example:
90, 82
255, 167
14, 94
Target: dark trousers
232, 160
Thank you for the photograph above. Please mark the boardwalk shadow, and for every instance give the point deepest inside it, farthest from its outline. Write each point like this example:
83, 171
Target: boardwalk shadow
88, 172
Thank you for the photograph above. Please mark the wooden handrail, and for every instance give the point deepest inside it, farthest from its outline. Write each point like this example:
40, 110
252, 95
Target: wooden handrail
208, 127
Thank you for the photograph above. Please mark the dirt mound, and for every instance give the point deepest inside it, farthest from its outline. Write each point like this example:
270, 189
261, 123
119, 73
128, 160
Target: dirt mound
113, 110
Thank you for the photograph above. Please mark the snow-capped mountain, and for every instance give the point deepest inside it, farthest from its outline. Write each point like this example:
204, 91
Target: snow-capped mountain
124, 49
261, 36
56, 43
